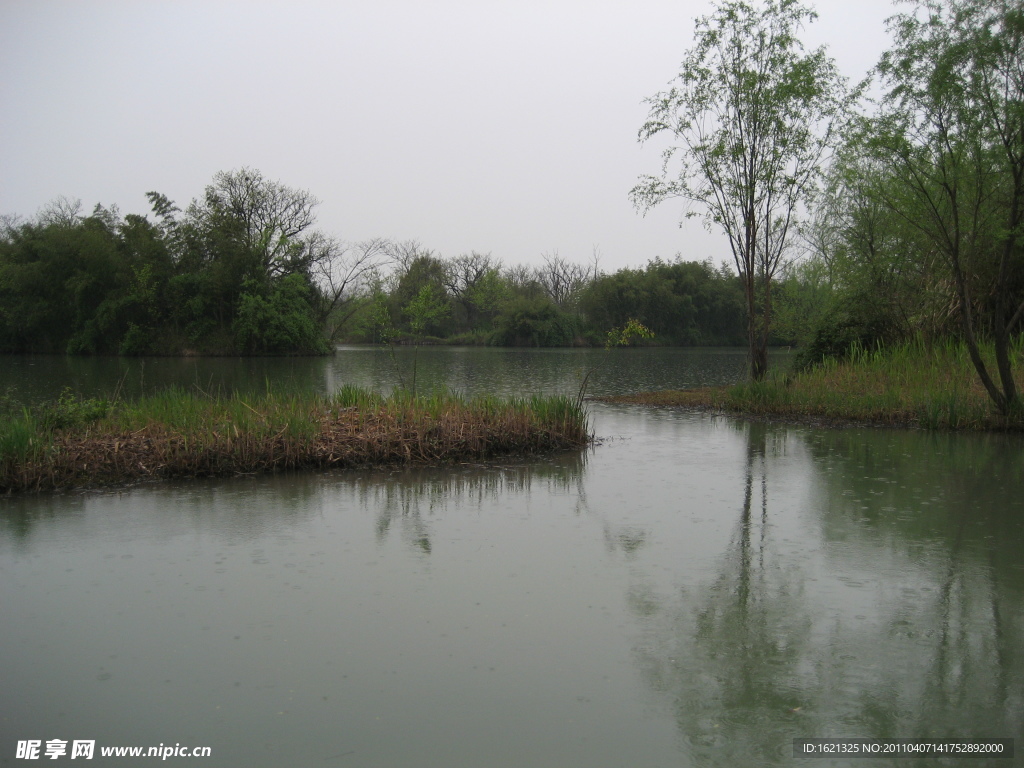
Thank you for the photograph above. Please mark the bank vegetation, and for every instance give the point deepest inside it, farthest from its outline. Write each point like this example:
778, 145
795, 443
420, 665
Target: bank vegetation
177, 434
910, 384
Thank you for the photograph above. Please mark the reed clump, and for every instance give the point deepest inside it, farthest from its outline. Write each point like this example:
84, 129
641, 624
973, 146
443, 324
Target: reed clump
933, 386
179, 433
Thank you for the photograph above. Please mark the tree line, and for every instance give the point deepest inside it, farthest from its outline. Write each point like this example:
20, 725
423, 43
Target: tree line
850, 222
910, 208
244, 270
233, 273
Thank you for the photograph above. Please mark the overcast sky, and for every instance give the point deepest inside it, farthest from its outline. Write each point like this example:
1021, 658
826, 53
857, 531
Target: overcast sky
501, 127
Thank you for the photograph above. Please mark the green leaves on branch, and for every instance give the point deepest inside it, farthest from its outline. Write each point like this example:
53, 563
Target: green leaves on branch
948, 146
753, 117
426, 310
624, 336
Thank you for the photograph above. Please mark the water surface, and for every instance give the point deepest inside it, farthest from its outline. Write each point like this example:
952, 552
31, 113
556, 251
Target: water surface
493, 370
694, 591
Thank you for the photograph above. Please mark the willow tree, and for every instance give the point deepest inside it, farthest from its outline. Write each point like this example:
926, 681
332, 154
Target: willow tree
951, 134
751, 115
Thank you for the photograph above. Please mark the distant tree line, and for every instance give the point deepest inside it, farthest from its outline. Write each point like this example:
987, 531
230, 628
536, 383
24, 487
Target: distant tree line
474, 299
846, 229
243, 270
233, 273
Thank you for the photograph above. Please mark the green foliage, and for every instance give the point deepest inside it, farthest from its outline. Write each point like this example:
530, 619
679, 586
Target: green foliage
69, 411
685, 303
487, 295
950, 141
231, 275
19, 440
278, 319
838, 334
54, 280
526, 322
377, 322
913, 382
427, 310
624, 336
753, 115
421, 298
239, 271
477, 288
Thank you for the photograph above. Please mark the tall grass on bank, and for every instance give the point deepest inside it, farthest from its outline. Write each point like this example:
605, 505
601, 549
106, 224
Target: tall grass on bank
933, 386
179, 433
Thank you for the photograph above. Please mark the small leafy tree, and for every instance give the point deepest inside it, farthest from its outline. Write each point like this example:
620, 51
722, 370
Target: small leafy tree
754, 115
617, 337
426, 310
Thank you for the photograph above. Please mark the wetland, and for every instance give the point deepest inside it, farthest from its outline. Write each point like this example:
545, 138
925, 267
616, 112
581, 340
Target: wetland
693, 589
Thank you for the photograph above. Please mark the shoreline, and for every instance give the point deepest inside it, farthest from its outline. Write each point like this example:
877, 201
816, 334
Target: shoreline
204, 437
727, 401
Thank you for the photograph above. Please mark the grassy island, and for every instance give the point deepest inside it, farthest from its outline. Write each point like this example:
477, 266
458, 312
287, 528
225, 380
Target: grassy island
178, 433
912, 384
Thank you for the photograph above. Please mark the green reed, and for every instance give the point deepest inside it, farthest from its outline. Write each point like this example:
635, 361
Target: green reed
179, 433
933, 385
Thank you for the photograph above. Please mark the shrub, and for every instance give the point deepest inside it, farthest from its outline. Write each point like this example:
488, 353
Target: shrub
534, 323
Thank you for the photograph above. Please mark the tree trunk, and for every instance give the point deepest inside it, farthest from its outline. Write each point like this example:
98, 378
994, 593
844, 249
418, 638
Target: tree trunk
757, 349
971, 340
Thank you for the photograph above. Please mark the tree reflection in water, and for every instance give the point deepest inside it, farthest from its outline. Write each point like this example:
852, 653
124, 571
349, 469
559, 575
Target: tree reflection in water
898, 616
408, 497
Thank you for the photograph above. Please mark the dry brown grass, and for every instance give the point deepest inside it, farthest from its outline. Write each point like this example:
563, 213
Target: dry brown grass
324, 435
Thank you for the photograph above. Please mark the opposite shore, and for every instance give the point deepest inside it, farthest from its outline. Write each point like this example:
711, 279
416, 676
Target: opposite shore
909, 385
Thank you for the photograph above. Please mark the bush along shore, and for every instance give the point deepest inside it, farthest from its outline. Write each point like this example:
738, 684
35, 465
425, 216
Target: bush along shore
178, 433
910, 385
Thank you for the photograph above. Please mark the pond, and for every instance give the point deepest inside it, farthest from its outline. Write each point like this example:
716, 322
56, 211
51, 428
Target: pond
694, 590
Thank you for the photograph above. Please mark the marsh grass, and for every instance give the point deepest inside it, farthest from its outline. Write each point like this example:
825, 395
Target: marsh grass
182, 433
933, 386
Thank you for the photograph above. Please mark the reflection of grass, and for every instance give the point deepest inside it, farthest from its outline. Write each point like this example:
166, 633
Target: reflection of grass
931, 386
177, 433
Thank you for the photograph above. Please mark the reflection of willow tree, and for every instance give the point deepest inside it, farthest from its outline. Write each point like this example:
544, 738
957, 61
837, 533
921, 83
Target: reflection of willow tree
970, 654
732, 661
890, 633
409, 497
953, 505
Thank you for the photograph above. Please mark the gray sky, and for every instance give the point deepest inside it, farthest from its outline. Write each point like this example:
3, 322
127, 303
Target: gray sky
501, 127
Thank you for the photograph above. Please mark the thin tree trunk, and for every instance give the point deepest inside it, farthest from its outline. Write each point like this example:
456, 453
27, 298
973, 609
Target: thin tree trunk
757, 352
1003, 325
972, 341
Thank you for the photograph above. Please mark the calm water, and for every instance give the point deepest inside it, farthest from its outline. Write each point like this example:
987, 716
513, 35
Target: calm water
466, 369
694, 591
